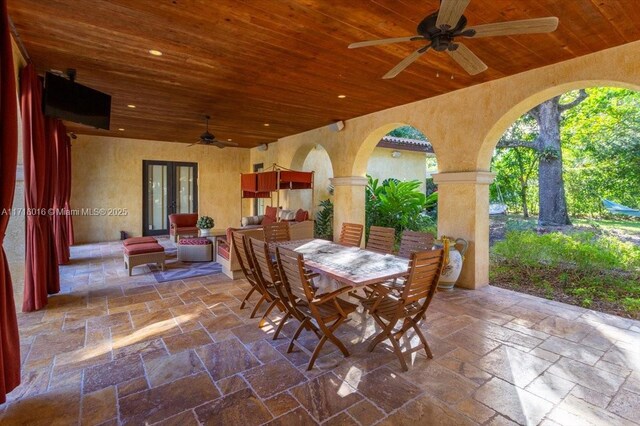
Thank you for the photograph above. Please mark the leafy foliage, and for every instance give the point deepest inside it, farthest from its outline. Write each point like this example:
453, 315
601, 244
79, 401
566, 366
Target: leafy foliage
583, 268
398, 205
600, 150
205, 222
407, 132
324, 221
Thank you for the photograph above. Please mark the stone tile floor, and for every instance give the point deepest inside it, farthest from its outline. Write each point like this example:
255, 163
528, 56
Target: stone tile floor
112, 349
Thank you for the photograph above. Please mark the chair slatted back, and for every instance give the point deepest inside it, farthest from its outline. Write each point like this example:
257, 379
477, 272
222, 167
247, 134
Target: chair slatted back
381, 239
293, 275
351, 234
277, 231
424, 272
262, 261
240, 247
413, 241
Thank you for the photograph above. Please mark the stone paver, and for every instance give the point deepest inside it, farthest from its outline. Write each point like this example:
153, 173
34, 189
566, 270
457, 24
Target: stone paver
117, 350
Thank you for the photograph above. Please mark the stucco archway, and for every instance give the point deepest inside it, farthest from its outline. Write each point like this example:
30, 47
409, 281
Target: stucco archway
494, 133
312, 158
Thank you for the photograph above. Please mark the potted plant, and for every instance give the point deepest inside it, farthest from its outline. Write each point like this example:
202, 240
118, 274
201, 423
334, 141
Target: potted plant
204, 224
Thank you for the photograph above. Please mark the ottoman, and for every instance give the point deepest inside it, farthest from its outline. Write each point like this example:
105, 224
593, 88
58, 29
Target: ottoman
138, 240
197, 249
143, 253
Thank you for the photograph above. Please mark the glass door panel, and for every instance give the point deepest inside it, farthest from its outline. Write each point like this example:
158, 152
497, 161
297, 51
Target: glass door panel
168, 187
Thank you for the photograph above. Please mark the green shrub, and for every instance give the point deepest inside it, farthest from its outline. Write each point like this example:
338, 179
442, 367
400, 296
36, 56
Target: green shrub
324, 221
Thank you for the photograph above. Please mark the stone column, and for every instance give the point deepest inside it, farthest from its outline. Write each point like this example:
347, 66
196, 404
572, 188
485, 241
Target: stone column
348, 201
463, 212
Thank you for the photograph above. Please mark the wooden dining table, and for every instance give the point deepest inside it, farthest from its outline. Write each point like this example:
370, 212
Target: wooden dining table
351, 266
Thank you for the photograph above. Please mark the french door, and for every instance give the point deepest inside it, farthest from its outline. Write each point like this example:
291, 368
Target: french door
167, 187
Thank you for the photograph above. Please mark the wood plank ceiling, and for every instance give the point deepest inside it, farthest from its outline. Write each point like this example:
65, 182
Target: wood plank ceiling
283, 62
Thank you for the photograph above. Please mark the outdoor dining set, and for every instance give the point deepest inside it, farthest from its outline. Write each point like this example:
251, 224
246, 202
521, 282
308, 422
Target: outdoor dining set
314, 282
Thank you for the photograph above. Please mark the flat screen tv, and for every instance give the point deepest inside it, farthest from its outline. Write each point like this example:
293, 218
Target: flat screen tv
67, 100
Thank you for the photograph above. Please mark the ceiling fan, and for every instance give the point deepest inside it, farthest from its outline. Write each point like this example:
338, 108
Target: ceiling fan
207, 138
441, 28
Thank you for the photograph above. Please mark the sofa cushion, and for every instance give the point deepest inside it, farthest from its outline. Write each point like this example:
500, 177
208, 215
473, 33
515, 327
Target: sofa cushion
287, 215
251, 220
272, 212
223, 249
138, 240
184, 219
194, 241
302, 215
143, 248
187, 230
266, 220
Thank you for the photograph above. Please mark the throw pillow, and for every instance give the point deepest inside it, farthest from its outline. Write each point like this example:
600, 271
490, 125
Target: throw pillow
287, 215
266, 220
301, 215
271, 212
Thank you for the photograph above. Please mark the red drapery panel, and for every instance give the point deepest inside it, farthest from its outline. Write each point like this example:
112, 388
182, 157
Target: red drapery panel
296, 180
9, 338
267, 181
50, 170
249, 186
40, 250
60, 196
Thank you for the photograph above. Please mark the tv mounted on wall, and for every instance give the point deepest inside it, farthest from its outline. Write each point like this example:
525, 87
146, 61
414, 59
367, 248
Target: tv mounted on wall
68, 100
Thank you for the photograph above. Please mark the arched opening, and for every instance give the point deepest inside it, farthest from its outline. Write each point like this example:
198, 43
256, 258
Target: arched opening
312, 159
401, 154
593, 258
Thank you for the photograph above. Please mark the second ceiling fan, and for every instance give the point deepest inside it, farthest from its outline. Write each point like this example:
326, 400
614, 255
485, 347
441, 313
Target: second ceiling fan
440, 30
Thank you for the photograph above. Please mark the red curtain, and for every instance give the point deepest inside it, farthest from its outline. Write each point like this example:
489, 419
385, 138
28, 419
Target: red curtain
296, 180
9, 338
267, 181
61, 194
41, 274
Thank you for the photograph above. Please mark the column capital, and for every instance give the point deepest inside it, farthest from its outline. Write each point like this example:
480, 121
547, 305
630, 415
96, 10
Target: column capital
477, 177
349, 181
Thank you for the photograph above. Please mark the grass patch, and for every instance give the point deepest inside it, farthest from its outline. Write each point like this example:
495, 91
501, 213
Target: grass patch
594, 271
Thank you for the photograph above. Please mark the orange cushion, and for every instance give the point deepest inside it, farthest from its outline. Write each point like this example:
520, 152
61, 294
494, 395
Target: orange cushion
267, 220
139, 240
184, 219
143, 248
271, 212
302, 215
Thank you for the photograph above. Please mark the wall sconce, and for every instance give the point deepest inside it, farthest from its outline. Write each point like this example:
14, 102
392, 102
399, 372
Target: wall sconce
396, 154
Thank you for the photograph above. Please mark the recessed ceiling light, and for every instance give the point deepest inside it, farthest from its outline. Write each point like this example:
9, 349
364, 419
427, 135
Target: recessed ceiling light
342, 96
121, 129
155, 52
229, 140
266, 124
131, 106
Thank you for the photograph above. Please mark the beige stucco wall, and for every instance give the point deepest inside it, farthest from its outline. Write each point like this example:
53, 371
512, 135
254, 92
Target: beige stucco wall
463, 127
410, 165
107, 173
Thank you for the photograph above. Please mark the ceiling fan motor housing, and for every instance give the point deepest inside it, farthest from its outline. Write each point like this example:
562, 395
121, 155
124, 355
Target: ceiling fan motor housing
441, 38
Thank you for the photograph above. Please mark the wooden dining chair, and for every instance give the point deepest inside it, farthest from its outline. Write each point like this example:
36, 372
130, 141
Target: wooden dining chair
413, 241
323, 314
351, 234
268, 279
246, 265
410, 307
277, 231
381, 239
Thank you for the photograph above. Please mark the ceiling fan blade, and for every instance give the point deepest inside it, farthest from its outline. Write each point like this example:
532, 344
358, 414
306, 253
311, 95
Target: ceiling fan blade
525, 26
384, 41
195, 143
405, 63
450, 12
223, 144
467, 59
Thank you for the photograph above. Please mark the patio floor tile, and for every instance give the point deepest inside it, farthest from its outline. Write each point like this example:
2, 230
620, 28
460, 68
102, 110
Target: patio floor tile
118, 350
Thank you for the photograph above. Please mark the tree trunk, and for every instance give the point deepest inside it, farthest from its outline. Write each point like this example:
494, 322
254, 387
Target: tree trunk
553, 203
523, 196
